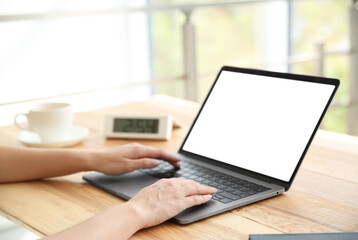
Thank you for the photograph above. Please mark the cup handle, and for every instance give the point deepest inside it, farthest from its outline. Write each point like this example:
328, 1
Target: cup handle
18, 124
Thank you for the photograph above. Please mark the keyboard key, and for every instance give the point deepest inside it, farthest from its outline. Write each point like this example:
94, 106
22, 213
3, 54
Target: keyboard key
229, 195
206, 182
237, 192
214, 184
230, 189
225, 200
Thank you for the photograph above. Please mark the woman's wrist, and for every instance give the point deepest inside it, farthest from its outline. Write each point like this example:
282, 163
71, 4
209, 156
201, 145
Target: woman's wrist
140, 219
89, 160
131, 217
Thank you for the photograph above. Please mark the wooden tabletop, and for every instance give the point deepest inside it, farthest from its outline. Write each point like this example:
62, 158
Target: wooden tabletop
323, 197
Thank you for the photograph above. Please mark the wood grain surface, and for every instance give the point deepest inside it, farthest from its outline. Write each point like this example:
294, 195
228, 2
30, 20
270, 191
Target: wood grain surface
323, 197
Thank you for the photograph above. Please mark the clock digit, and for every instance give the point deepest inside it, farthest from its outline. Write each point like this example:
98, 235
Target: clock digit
152, 125
140, 124
128, 125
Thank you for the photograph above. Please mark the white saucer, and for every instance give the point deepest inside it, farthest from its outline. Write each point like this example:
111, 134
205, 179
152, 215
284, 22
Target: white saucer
31, 139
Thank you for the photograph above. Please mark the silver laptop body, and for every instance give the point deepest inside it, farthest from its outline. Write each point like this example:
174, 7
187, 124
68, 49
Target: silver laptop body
254, 126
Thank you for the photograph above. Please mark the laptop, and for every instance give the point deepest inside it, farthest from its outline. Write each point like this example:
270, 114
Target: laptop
248, 140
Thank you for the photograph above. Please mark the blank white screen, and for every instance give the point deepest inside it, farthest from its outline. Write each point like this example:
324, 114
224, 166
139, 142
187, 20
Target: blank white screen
258, 123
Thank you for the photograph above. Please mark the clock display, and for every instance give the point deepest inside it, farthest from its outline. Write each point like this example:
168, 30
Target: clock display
126, 125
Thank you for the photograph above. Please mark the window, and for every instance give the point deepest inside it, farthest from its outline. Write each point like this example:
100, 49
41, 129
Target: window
74, 58
114, 51
277, 35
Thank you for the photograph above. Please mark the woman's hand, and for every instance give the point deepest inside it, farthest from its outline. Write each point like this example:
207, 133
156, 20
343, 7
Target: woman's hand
167, 198
127, 158
152, 205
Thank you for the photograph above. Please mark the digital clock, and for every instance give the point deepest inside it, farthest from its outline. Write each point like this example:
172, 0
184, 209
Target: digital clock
139, 126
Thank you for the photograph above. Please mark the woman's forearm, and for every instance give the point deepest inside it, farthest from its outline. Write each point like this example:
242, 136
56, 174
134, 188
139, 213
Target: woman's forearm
118, 222
21, 164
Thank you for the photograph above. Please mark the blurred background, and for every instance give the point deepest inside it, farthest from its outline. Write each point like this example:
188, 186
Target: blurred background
103, 53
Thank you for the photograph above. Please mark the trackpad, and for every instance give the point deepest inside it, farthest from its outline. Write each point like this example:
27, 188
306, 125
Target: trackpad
124, 186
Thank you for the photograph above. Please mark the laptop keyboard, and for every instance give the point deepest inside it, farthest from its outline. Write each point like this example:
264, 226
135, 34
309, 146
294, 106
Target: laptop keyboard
229, 188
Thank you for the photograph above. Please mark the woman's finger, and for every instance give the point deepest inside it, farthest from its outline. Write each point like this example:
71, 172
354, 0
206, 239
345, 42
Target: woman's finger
142, 163
152, 152
196, 200
191, 188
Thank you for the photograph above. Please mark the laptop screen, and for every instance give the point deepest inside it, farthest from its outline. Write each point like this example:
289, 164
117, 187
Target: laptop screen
259, 123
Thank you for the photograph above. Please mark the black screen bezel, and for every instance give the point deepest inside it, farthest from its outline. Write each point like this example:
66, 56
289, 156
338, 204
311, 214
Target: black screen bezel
288, 76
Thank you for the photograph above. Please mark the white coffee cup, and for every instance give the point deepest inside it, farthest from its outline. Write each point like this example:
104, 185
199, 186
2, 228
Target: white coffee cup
51, 121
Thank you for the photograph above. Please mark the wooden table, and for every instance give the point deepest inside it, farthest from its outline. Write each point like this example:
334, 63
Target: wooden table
323, 197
